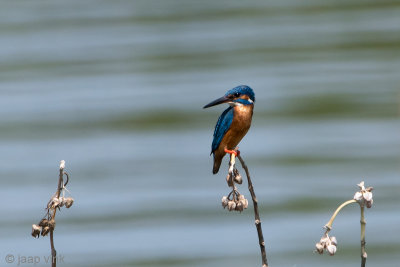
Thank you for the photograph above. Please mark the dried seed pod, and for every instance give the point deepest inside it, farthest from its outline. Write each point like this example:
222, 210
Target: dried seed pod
62, 202
43, 222
52, 224
68, 202
224, 201
245, 203
231, 205
369, 203
36, 230
45, 230
331, 249
241, 197
239, 206
367, 196
54, 203
229, 180
325, 240
237, 177
319, 248
358, 196
333, 240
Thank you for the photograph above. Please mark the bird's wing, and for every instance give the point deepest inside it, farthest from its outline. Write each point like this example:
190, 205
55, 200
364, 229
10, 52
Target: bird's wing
223, 124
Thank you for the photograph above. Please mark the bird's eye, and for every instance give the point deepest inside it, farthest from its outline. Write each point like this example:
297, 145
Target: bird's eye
236, 94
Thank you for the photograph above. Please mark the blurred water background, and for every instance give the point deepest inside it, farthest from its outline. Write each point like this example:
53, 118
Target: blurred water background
116, 89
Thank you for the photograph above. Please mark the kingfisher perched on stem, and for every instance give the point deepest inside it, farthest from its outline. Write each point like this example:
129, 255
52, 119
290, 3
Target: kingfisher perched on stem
233, 123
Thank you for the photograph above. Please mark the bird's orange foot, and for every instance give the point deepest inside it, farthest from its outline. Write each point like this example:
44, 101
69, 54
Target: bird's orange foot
234, 152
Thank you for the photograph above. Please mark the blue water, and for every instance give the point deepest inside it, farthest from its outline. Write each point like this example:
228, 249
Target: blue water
115, 88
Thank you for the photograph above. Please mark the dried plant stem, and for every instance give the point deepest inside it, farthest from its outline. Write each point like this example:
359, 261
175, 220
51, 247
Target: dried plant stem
328, 226
363, 252
58, 192
256, 214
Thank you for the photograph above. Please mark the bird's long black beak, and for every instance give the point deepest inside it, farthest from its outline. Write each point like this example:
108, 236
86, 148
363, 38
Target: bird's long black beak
218, 101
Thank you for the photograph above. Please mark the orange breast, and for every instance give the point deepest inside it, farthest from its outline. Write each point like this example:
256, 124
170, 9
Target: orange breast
239, 127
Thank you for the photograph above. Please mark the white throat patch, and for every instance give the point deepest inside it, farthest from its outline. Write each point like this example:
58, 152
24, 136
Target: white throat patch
234, 104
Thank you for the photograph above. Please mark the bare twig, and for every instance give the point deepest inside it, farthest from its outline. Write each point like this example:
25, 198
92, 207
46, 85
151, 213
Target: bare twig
58, 192
48, 222
363, 252
256, 214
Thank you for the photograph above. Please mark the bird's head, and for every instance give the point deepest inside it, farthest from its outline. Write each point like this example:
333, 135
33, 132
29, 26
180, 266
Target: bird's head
240, 95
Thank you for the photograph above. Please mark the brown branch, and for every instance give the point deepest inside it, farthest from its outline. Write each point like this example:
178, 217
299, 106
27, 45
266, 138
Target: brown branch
57, 195
256, 214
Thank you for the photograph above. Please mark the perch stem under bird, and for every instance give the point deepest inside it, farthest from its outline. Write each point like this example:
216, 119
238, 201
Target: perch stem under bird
233, 123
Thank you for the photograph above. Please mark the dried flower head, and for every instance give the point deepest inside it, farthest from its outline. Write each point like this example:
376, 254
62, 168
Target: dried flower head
235, 201
327, 243
364, 196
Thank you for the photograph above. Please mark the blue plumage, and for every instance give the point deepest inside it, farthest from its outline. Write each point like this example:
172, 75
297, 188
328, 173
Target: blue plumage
233, 123
223, 124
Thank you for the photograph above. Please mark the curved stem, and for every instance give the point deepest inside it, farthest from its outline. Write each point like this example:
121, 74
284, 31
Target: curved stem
328, 226
256, 214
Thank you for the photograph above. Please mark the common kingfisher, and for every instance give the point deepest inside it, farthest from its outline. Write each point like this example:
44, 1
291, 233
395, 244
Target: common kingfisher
233, 123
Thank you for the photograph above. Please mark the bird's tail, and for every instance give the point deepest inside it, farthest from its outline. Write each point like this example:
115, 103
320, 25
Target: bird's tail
217, 164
